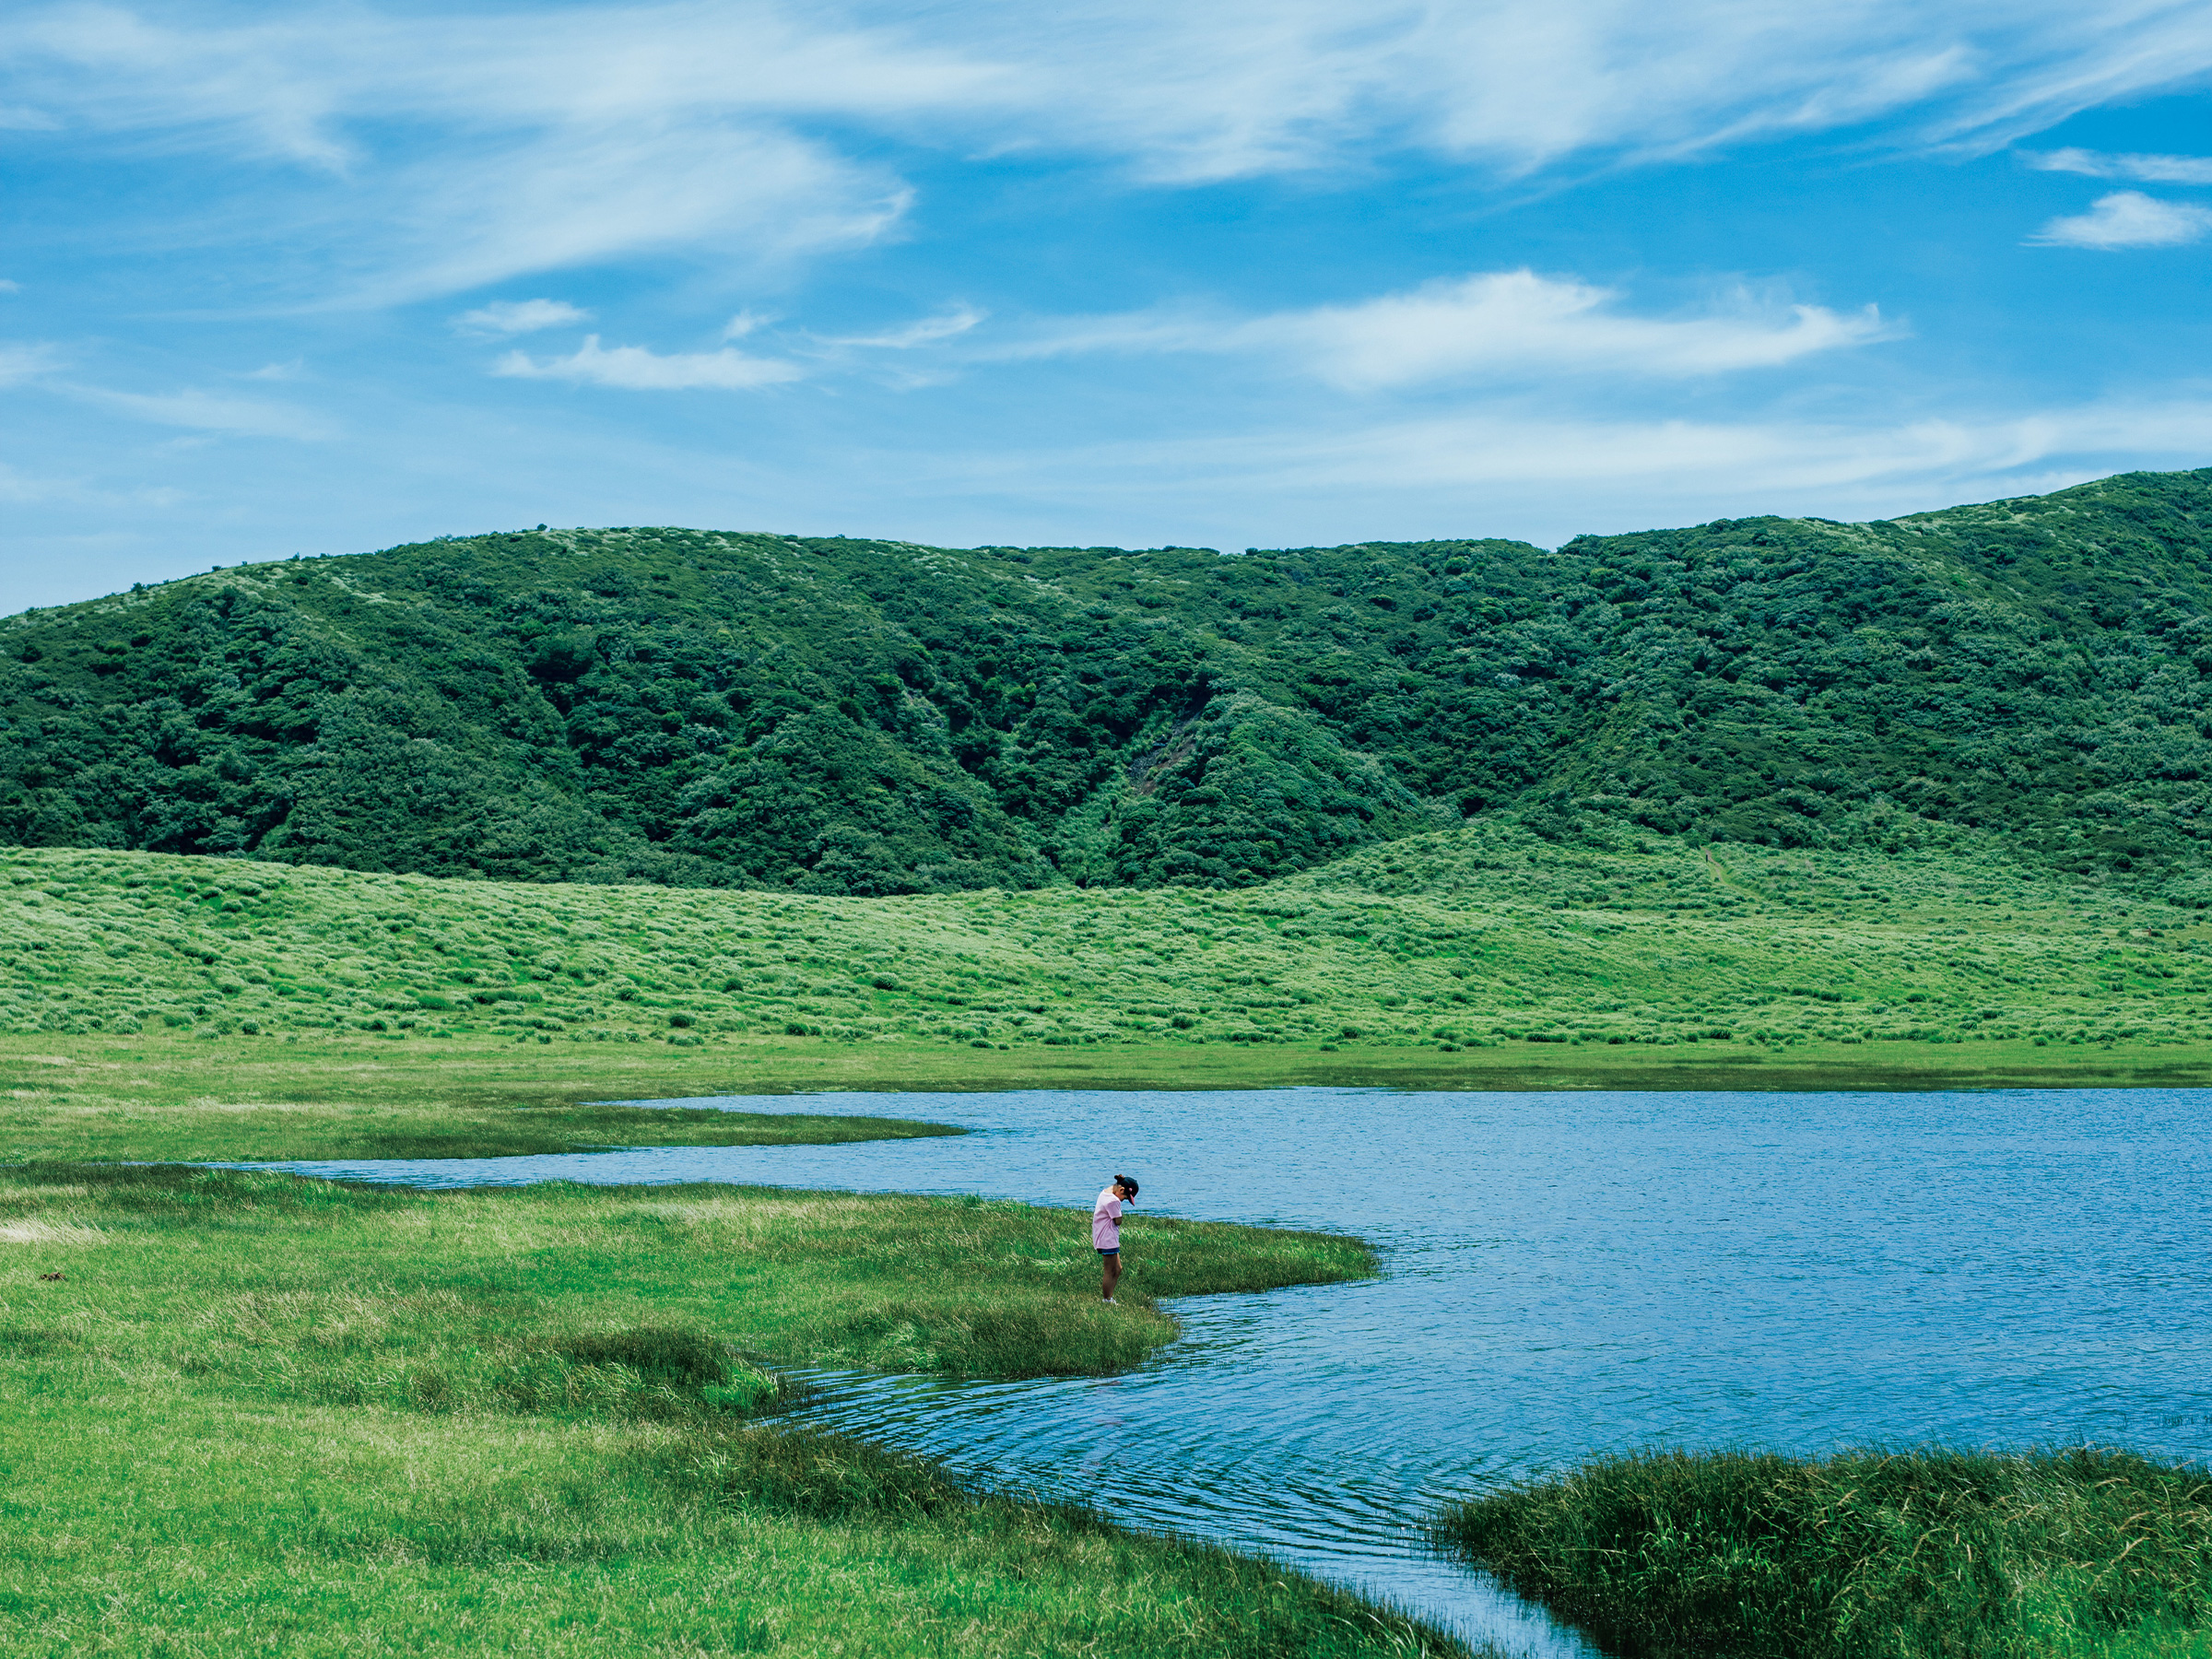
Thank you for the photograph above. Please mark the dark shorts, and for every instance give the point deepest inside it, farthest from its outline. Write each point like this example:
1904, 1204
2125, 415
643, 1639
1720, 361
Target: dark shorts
1115, 1251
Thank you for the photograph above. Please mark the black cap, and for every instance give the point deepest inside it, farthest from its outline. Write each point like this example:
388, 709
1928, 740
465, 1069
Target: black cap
1126, 1181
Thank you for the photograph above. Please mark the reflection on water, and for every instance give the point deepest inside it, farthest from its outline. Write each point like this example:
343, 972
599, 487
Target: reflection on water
1564, 1274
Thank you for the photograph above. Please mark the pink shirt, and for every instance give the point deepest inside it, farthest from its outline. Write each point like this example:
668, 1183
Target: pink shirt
1106, 1222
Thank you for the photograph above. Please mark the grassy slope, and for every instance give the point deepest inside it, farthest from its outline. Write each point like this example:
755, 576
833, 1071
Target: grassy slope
184, 1008
1722, 1555
1481, 956
256, 1414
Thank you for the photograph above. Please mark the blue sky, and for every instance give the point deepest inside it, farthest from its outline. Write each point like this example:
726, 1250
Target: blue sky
309, 279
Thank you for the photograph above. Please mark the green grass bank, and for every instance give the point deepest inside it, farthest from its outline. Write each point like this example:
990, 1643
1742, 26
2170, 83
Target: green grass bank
251, 1413
1726, 1556
1484, 939
148, 1097
165, 1096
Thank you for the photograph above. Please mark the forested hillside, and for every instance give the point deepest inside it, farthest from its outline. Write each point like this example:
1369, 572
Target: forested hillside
842, 716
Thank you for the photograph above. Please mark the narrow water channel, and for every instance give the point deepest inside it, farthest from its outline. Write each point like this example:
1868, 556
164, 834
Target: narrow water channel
1564, 1275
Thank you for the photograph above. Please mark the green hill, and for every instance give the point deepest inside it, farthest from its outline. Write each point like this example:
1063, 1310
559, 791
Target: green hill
833, 716
1462, 939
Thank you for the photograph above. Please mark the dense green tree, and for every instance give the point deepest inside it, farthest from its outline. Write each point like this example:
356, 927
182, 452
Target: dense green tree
876, 717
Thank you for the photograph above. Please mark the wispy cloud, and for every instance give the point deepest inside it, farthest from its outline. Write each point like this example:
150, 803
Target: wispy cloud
2099, 164
926, 331
637, 369
17, 486
576, 198
1493, 322
209, 412
520, 316
425, 153
2128, 218
395, 158
1541, 473
634, 368
26, 361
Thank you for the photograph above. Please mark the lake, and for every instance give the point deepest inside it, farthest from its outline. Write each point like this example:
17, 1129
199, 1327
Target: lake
1564, 1274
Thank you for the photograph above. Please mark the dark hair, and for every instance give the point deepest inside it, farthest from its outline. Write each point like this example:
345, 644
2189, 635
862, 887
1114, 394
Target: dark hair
1126, 1181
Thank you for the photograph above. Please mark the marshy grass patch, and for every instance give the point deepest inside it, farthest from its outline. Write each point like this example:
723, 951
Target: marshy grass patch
267, 1414
1901, 1554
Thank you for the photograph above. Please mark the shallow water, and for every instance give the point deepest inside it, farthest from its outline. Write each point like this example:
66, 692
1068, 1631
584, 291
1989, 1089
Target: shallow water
1564, 1274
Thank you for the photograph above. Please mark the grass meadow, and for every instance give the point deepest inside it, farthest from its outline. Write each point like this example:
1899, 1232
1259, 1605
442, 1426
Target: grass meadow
250, 1413
1463, 940
179, 1007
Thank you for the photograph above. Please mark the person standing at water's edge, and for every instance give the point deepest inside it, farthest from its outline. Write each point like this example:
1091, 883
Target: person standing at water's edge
1106, 1229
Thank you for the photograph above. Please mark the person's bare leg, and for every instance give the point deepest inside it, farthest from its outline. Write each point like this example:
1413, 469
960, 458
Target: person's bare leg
1113, 1274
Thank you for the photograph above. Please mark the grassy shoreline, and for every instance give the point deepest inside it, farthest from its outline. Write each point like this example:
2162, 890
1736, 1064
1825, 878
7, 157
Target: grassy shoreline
149, 1096
1897, 1554
246, 1410
253, 1412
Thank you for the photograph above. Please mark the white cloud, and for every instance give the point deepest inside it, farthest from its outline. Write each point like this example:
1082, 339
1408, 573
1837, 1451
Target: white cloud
17, 486
601, 132
1490, 323
520, 316
568, 199
18, 363
2097, 164
1525, 470
926, 331
634, 368
9, 288
206, 412
2128, 218
1245, 86
288, 87
289, 370
399, 158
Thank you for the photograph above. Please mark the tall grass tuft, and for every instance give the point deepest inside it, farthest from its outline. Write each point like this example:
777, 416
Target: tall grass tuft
825, 1476
652, 1350
1868, 1553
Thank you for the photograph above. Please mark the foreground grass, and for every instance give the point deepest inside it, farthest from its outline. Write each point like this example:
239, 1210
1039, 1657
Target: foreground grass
1720, 1555
256, 1414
